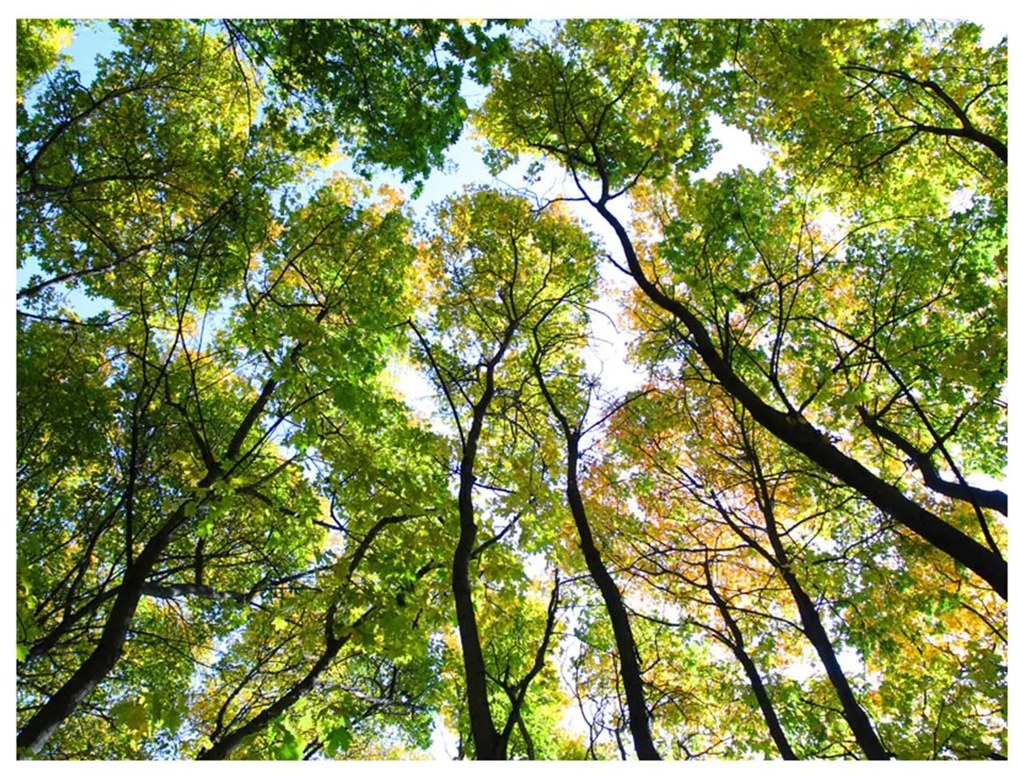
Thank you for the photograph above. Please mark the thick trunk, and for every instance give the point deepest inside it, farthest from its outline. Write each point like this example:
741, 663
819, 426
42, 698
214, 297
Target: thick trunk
483, 731
488, 744
815, 631
630, 670
52, 714
854, 714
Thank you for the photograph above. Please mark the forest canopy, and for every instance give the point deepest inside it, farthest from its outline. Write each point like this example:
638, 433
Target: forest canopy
710, 462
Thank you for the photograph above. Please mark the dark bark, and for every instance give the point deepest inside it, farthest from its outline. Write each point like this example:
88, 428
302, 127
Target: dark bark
229, 742
630, 668
67, 623
806, 439
110, 647
992, 499
966, 130
516, 692
483, 730
854, 714
814, 630
993, 144
735, 642
51, 715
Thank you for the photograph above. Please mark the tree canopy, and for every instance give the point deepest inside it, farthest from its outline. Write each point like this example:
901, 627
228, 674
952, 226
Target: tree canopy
242, 533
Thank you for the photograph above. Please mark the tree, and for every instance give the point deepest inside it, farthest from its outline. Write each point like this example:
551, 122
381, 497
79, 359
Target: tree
497, 272
38, 45
389, 90
201, 409
240, 535
626, 648
584, 122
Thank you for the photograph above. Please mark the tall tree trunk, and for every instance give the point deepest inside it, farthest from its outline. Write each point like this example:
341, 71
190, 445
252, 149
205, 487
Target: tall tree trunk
854, 714
489, 744
227, 744
630, 669
735, 642
815, 631
483, 730
108, 650
100, 662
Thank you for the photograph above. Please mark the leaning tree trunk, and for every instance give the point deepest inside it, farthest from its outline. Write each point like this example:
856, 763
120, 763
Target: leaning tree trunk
108, 650
630, 669
735, 642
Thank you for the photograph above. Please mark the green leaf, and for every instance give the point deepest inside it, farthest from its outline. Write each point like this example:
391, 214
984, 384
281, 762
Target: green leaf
338, 738
290, 747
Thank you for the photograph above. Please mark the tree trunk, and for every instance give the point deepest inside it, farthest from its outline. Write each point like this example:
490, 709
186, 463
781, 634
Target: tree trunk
108, 650
227, 744
815, 631
736, 644
630, 669
483, 730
